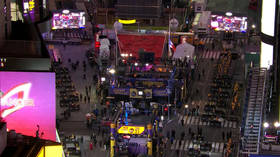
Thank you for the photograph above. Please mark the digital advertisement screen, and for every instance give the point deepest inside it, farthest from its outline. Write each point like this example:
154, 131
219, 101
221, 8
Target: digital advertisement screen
68, 20
228, 23
266, 55
268, 17
28, 103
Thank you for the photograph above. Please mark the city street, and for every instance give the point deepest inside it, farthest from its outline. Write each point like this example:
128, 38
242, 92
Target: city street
199, 91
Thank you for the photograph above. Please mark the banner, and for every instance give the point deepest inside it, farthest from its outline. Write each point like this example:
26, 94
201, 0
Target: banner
160, 92
131, 130
119, 91
140, 93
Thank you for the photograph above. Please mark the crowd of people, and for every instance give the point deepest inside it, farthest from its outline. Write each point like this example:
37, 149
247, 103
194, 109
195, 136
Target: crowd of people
68, 95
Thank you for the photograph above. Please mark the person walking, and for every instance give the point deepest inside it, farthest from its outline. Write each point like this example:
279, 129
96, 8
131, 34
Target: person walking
89, 88
88, 99
223, 135
81, 97
182, 121
85, 99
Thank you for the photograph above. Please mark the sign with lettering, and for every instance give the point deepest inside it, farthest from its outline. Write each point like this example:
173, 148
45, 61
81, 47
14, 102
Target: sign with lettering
137, 130
31, 5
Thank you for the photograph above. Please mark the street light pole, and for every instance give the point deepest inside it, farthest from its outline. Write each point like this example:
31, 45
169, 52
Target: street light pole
116, 52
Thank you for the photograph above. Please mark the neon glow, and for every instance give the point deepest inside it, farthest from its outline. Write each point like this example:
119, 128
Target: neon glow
18, 103
266, 55
268, 17
127, 21
228, 23
28, 98
68, 19
31, 5
131, 130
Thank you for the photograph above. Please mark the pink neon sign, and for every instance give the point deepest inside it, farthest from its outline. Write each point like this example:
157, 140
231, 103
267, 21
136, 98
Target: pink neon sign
15, 104
28, 100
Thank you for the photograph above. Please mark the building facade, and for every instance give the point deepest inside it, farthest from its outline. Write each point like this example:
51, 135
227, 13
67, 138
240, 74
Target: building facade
5, 19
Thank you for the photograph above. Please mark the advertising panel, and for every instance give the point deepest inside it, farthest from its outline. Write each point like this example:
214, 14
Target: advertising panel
268, 17
28, 103
119, 91
228, 23
266, 55
131, 130
68, 20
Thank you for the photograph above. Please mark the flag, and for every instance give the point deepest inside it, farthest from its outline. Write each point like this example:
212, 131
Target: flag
171, 45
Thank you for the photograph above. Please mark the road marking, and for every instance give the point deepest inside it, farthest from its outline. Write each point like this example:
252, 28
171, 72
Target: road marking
221, 147
182, 145
234, 124
186, 145
189, 119
173, 145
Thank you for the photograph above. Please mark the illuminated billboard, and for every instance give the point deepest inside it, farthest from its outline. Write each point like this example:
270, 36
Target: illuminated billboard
28, 103
266, 55
68, 20
131, 130
228, 23
268, 17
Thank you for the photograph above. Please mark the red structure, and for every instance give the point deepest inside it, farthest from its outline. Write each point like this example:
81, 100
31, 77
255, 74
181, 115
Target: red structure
130, 44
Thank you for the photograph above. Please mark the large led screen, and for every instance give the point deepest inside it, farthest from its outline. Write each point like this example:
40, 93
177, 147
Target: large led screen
228, 23
28, 103
268, 17
68, 20
266, 55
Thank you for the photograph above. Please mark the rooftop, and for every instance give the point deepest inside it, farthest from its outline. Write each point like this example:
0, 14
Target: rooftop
22, 146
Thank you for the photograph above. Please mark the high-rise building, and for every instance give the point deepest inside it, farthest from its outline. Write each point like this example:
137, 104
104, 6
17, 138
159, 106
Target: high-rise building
5, 19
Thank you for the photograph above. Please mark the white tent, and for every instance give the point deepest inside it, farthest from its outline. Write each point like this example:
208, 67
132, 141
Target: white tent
184, 50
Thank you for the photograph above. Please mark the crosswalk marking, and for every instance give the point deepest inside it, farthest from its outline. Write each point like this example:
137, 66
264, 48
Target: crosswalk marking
234, 125
217, 147
191, 145
186, 145
173, 145
180, 118
221, 147
230, 124
189, 120
177, 145
182, 145
186, 118
213, 146
209, 54
207, 40
196, 120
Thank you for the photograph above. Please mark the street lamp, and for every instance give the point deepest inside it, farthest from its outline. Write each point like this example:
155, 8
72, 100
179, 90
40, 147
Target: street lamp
276, 124
253, 26
112, 71
103, 79
162, 118
186, 107
265, 125
228, 13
